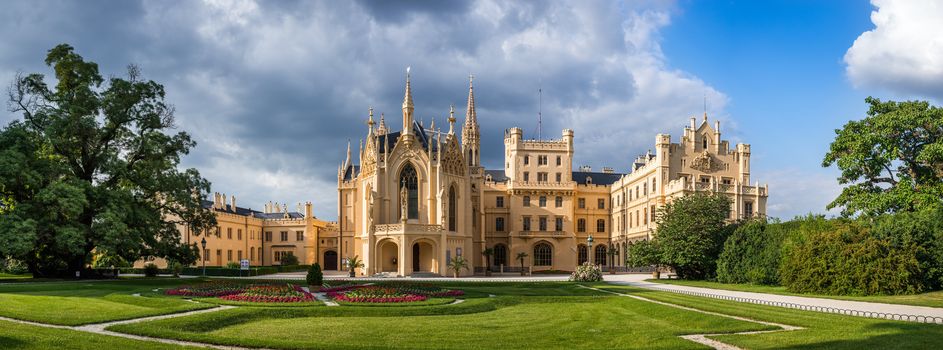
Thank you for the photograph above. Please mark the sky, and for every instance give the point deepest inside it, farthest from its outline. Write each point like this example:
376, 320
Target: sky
273, 90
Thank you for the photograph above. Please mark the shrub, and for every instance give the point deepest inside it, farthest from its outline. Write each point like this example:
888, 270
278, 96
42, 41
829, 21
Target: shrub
315, 277
754, 252
691, 234
289, 259
849, 260
232, 265
643, 253
176, 268
151, 270
13, 266
587, 273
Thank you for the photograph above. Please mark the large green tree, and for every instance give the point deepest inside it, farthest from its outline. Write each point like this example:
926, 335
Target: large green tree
93, 166
691, 233
890, 161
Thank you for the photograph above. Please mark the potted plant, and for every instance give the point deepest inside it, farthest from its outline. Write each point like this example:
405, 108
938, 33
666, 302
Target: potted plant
353, 264
457, 264
520, 257
612, 252
488, 252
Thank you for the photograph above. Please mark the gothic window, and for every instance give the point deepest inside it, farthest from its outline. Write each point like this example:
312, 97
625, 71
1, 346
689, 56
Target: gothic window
453, 209
600, 255
500, 254
543, 255
582, 255
705, 142
409, 179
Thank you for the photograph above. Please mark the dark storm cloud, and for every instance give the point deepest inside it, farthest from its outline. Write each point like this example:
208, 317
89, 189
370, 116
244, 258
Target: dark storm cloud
272, 91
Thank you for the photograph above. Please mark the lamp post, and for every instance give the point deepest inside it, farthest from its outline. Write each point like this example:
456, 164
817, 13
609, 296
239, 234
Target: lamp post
203, 254
589, 242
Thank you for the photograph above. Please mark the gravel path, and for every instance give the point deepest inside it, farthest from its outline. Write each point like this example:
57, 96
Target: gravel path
923, 314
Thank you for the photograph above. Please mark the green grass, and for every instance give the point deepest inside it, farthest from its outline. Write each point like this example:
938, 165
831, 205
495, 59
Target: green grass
76, 303
7, 276
932, 299
15, 336
823, 331
524, 316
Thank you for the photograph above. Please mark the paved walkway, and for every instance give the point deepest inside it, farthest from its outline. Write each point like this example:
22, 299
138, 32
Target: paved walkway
846, 307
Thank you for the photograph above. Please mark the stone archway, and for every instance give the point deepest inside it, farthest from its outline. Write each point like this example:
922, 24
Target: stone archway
424, 257
388, 259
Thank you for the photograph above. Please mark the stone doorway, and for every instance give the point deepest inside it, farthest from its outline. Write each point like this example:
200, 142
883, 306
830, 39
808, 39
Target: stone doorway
330, 260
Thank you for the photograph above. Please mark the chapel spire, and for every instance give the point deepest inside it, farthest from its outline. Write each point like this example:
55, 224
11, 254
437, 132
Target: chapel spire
408, 107
470, 132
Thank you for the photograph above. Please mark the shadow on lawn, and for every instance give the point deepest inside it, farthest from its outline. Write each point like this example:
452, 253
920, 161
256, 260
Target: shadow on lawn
11, 343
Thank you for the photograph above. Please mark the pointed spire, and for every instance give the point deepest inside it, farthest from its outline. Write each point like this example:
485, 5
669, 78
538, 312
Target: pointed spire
370, 120
408, 107
347, 161
432, 125
451, 119
471, 117
381, 129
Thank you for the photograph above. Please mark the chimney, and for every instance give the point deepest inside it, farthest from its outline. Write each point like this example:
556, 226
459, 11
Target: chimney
308, 213
608, 170
222, 201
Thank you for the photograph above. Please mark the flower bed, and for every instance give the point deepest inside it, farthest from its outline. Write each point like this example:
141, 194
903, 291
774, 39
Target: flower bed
391, 293
271, 294
340, 288
207, 290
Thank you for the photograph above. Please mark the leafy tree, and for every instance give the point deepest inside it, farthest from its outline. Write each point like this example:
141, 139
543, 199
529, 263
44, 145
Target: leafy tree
93, 165
890, 161
644, 253
289, 259
691, 233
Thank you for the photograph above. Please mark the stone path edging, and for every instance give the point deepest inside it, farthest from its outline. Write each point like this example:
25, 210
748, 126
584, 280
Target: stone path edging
703, 338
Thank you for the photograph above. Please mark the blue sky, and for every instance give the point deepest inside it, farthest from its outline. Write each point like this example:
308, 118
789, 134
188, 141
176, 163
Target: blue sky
272, 91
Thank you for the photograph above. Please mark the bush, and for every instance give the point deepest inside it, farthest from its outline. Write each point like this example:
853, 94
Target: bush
13, 266
587, 273
289, 260
151, 270
643, 253
691, 234
849, 260
754, 252
176, 268
315, 277
232, 265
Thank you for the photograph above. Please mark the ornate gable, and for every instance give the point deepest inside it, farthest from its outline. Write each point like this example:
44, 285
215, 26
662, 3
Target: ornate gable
707, 163
452, 161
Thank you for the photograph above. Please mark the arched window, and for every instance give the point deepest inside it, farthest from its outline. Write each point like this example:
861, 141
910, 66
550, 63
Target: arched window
500, 255
408, 179
543, 255
582, 254
599, 255
705, 141
453, 209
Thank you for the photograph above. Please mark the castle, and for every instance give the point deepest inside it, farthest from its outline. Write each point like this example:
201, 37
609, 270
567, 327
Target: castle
420, 197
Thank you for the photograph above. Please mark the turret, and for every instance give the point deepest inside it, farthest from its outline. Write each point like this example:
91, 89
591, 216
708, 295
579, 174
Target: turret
743, 162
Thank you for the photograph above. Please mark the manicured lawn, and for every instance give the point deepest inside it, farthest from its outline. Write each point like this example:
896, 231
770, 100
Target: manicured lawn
525, 316
25, 337
76, 303
933, 299
823, 331
6, 276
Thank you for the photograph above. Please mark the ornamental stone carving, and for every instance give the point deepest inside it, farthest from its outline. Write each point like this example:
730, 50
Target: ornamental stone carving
707, 163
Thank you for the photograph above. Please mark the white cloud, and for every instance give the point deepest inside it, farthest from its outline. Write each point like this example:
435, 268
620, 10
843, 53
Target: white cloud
904, 52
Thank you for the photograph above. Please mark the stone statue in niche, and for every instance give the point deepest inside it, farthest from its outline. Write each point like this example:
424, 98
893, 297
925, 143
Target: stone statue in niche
404, 203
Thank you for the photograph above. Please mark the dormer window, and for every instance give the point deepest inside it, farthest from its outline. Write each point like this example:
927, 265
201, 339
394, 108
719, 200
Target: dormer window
589, 180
